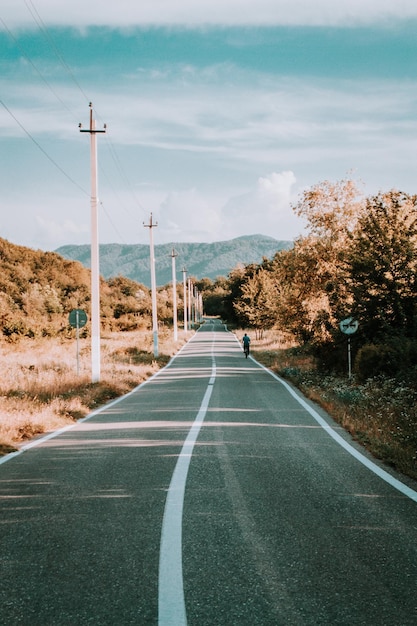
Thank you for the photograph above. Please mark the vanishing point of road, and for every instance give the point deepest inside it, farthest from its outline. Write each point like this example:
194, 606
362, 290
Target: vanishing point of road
211, 495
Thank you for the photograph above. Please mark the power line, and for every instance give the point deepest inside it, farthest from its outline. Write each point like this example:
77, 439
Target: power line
29, 60
42, 27
112, 150
44, 30
42, 149
113, 225
123, 176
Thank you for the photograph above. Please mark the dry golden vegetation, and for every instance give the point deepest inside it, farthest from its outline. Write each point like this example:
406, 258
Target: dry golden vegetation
41, 391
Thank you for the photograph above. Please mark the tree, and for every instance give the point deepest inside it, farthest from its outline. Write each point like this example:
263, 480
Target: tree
258, 302
312, 276
383, 266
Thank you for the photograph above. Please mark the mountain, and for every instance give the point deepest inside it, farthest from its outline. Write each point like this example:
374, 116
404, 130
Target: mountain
202, 260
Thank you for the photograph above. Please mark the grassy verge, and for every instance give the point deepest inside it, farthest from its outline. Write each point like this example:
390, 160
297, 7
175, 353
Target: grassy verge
41, 391
381, 414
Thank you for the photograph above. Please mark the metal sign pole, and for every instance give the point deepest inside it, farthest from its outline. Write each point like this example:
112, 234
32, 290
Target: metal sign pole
349, 360
77, 319
77, 315
349, 326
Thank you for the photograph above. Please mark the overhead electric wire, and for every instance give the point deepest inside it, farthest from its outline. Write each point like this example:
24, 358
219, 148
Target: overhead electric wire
112, 150
42, 27
122, 174
37, 144
113, 153
111, 222
29, 60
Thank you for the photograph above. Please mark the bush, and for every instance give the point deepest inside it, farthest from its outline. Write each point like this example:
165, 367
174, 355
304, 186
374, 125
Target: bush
331, 356
377, 359
14, 329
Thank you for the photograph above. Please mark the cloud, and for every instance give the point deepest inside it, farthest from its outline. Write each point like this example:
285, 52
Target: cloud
265, 209
191, 216
188, 216
126, 13
52, 233
193, 120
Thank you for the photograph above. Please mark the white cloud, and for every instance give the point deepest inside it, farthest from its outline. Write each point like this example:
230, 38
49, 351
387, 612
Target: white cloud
197, 138
126, 13
265, 209
53, 233
189, 216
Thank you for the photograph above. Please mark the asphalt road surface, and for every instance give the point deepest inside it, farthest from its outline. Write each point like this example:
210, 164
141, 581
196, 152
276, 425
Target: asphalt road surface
211, 495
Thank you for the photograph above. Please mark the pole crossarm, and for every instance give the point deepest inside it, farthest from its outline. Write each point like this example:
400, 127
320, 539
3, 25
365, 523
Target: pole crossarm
92, 128
151, 224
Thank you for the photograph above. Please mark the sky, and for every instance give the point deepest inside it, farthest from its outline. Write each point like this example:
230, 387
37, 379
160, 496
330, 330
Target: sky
218, 113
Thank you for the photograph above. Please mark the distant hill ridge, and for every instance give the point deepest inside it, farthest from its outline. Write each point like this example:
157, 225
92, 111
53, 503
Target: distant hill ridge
202, 260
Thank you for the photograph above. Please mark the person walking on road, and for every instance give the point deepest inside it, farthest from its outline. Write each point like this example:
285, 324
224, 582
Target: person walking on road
246, 342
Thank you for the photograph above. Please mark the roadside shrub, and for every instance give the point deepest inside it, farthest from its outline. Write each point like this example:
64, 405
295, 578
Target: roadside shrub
377, 359
330, 356
15, 329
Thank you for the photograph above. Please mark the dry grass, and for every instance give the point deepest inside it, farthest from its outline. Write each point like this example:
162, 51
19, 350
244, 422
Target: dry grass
41, 391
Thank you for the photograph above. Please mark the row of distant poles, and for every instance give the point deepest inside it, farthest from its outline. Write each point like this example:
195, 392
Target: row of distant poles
193, 300
193, 306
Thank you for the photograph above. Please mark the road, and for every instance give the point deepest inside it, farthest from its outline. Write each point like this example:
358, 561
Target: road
211, 495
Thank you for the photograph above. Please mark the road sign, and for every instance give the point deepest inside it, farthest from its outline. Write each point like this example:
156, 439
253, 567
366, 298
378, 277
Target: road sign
77, 318
349, 326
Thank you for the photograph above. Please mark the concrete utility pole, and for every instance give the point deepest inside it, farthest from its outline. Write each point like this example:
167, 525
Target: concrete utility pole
190, 303
196, 309
184, 282
201, 307
174, 295
151, 226
95, 271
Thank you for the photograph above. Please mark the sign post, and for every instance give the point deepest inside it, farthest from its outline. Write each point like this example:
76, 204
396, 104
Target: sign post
77, 319
349, 326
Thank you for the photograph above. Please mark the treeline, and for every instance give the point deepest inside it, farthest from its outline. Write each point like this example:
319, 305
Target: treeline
357, 259
39, 289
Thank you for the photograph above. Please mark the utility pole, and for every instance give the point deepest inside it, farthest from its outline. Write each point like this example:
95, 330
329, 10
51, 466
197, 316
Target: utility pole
184, 282
174, 295
201, 307
151, 226
95, 271
196, 309
190, 302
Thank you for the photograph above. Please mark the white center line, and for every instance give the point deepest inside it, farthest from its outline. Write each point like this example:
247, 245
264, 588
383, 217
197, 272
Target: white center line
171, 600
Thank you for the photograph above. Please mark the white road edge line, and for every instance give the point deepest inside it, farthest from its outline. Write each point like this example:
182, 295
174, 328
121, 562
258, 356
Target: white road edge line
401, 487
171, 599
105, 407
